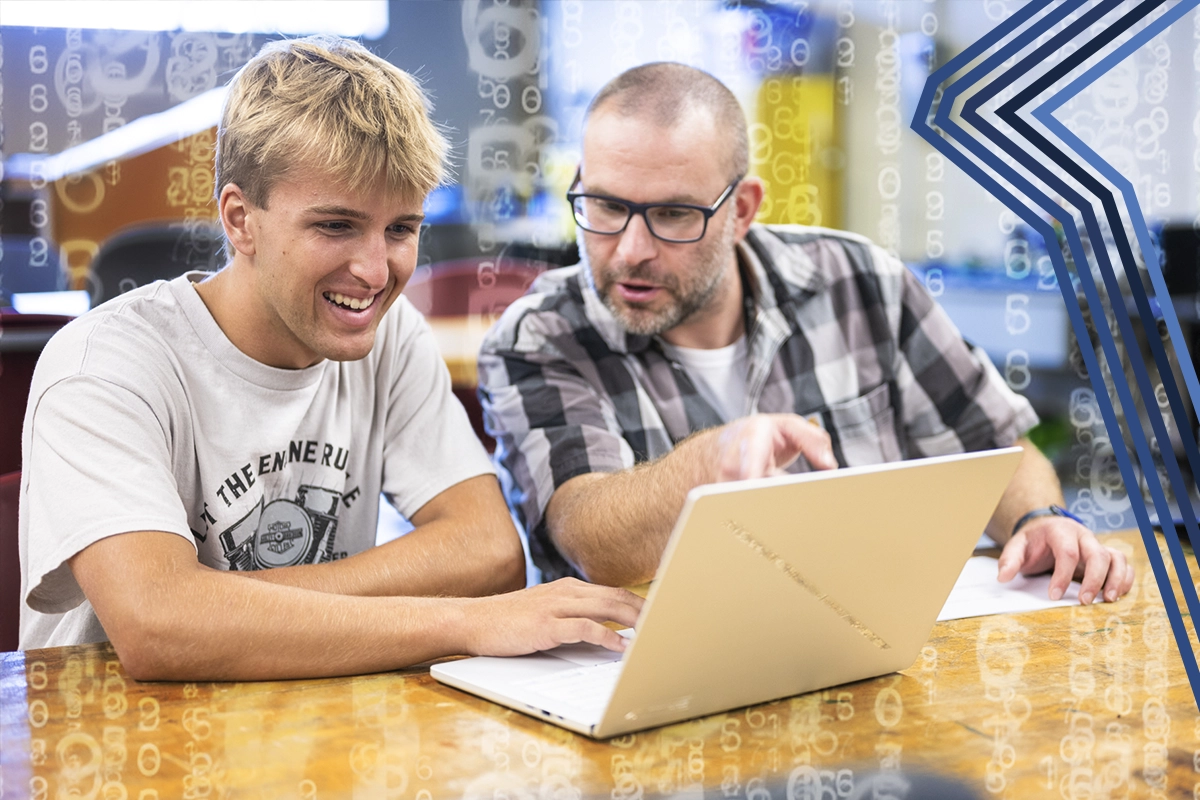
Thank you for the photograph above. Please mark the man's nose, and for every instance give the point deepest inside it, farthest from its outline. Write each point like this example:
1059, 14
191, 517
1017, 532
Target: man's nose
370, 264
636, 243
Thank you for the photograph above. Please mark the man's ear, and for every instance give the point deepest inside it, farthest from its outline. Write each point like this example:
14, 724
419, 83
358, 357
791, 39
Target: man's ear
235, 211
747, 199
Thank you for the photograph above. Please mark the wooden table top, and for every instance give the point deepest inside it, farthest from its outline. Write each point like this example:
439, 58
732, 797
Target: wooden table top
1074, 703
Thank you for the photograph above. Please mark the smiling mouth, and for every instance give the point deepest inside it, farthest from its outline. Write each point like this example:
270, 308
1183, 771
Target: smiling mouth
354, 304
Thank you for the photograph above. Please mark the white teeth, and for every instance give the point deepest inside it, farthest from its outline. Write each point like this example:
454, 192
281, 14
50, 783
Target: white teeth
349, 302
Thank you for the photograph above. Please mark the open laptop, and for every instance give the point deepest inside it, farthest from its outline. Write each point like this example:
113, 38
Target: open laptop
769, 588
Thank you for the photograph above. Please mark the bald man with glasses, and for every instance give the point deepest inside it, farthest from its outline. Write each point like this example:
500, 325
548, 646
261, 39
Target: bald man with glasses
692, 345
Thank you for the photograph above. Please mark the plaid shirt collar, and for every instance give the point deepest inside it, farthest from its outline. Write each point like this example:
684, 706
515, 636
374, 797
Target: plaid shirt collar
796, 279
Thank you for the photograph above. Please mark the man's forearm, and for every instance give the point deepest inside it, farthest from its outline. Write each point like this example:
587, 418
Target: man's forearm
614, 526
172, 619
464, 545
1035, 485
339, 636
431, 560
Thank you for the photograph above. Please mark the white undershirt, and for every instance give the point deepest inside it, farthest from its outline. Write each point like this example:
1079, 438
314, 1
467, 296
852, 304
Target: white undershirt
719, 375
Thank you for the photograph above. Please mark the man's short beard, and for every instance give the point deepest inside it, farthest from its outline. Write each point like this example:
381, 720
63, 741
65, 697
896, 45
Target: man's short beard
711, 261
642, 322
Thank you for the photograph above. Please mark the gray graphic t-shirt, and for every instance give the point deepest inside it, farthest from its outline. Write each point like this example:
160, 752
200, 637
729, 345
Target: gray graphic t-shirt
144, 416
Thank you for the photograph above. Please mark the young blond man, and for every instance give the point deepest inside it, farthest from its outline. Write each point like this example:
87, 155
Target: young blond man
204, 457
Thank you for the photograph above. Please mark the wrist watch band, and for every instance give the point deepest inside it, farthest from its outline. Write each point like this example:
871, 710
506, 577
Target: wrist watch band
1048, 511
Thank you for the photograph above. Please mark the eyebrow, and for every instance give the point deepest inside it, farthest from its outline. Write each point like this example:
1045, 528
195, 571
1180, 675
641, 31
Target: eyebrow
337, 211
676, 200
353, 213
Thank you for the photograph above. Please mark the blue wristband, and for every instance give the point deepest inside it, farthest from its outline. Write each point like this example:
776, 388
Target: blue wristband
1048, 511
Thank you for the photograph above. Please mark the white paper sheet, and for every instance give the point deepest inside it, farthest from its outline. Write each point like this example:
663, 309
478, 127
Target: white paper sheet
977, 593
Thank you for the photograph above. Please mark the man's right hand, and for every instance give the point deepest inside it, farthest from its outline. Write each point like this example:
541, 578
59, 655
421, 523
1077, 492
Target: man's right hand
613, 526
765, 444
543, 617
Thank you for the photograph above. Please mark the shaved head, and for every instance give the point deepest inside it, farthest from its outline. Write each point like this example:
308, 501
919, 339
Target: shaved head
666, 94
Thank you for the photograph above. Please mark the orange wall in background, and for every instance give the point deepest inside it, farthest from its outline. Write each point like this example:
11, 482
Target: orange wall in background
174, 182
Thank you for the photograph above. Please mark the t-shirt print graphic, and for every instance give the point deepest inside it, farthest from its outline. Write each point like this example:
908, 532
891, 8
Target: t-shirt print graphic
284, 532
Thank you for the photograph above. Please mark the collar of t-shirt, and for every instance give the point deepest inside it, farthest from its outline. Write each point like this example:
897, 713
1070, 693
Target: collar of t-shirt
719, 374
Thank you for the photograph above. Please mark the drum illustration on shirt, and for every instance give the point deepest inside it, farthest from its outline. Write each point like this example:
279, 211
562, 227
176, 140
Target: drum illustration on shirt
283, 533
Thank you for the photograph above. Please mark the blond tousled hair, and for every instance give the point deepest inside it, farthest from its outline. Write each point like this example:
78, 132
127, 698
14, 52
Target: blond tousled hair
328, 104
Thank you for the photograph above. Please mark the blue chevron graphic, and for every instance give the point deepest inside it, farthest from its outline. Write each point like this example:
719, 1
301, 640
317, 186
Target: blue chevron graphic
1007, 113
1035, 153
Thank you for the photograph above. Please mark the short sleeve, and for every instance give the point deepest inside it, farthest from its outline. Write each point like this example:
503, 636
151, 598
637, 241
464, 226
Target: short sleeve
954, 400
430, 445
99, 465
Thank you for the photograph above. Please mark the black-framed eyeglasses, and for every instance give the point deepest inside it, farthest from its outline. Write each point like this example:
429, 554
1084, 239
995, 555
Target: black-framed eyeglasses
678, 223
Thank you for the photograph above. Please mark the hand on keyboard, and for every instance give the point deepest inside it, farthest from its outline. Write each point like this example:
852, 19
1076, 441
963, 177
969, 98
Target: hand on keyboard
548, 615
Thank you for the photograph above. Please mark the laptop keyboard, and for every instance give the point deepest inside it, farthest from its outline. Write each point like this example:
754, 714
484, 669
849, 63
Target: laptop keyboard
586, 688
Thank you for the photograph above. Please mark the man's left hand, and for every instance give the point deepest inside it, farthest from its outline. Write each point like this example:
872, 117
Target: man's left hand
1073, 552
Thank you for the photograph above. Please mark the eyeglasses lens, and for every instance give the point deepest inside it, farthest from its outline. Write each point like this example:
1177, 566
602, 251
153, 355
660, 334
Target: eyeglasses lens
601, 215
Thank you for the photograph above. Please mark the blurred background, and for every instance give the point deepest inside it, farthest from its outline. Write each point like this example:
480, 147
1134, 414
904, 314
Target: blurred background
108, 129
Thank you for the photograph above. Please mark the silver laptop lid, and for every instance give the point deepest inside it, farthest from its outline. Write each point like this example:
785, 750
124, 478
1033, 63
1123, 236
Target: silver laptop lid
780, 586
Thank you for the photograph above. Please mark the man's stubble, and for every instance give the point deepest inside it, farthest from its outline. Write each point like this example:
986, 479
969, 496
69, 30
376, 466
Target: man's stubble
690, 294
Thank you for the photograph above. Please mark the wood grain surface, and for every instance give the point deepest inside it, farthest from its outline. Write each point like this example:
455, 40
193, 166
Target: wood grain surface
1074, 703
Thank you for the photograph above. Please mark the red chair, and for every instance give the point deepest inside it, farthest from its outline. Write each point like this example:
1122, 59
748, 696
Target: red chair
10, 564
471, 286
461, 299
